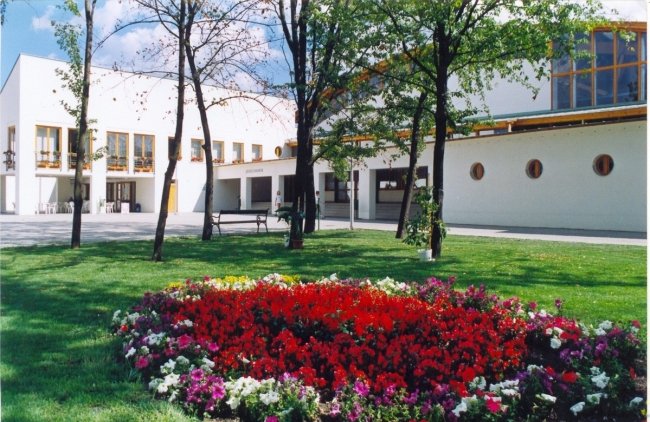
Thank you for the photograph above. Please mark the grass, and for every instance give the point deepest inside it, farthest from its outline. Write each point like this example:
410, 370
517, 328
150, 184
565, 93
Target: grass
59, 361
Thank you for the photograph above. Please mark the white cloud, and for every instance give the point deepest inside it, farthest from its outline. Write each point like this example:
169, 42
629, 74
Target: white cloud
44, 23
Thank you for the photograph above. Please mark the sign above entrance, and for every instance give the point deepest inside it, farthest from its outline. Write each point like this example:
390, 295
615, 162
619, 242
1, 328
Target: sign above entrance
255, 171
278, 151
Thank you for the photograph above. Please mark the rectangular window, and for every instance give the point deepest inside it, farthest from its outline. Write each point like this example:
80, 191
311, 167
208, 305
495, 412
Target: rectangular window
197, 150
257, 152
627, 51
11, 139
604, 49
170, 148
582, 89
341, 189
143, 146
583, 46
561, 92
48, 139
217, 151
627, 85
73, 147
10, 153
117, 151
604, 87
237, 153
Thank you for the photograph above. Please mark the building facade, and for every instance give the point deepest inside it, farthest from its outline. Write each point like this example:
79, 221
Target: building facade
574, 156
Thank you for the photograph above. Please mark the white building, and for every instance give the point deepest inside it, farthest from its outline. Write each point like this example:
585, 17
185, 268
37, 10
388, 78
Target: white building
573, 157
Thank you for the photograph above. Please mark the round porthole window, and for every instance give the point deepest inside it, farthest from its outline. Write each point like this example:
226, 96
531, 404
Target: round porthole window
603, 165
476, 171
534, 169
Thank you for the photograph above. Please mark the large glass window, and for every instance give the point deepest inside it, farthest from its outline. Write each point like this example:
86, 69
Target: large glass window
118, 148
340, 188
48, 139
617, 76
143, 146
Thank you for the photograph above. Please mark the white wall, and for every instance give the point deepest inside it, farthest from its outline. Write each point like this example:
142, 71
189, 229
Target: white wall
568, 194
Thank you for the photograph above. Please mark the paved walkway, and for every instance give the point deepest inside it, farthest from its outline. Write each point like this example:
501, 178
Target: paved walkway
16, 230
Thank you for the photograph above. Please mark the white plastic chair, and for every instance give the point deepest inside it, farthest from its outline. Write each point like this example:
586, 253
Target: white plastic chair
109, 207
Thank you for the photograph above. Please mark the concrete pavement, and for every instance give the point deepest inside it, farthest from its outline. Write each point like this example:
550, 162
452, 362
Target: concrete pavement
41, 229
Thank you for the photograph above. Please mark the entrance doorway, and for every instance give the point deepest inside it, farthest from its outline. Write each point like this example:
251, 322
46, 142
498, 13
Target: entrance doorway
121, 193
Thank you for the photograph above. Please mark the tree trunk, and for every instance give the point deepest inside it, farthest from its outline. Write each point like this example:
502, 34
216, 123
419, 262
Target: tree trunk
75, 242
413, 159
441, 81
207, 145
171, 167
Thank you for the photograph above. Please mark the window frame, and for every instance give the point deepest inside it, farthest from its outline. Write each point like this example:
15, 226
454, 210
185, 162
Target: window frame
240, 159
216, 159
115, 161
49, 148
600, 73
477, 171
606, 170
259, 155
193, 157
534, 168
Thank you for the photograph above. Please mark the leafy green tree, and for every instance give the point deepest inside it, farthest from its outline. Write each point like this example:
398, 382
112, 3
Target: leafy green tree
321, 38
77, 79
474, 42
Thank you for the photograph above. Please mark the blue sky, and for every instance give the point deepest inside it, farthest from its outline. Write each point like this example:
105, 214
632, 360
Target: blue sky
27, 30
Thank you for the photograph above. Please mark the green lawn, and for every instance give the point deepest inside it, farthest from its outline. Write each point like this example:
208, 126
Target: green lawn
58, 358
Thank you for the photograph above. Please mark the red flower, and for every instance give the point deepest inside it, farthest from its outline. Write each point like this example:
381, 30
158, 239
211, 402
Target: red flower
570, 377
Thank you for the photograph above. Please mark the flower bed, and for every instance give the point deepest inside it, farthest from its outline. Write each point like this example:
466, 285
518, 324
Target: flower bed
377, 351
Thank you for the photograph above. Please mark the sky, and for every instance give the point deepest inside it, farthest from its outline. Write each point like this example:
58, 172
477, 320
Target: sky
27, 30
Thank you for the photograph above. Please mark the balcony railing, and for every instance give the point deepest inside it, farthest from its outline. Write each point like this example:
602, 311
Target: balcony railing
72, 162
10, 159
143, 164
115, 163
47, 159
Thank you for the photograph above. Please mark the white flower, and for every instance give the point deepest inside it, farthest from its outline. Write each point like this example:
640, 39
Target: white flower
509, 392
182, 360
144, 350
543, 313
155, 339
186, 323
478, 382
576, 408
172, 398
600, 332
270, 397
153, 385
508, 385
462, 407
634, 330
549, 331
132, 317
531, 315
584, 329
594, 398
548, 398
555, 343
168, 368
600, 380
635, 401
605, 325
116, 316
130, 352
233, 402
333, 277
533, 368
595, 370
208, 363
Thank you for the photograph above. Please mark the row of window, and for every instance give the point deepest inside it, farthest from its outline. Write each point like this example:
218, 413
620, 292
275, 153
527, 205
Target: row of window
218, 151
602, 166
617, 74
49, 145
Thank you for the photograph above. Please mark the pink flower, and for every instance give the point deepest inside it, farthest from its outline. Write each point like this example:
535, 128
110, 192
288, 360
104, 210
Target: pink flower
213, 347
184, 341
361, 389
272, 419
142, 362
492, 405
533, 305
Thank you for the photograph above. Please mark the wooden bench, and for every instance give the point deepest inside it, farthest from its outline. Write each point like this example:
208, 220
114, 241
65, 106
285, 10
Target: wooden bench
260, 218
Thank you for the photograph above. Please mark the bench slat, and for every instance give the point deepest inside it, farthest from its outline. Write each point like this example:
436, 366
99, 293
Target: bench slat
262, 216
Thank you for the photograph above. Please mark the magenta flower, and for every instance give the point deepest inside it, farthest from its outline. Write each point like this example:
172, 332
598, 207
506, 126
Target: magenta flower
533, 305
213, 347
184, 341
272, 419
336, 409
142, 362
361, 389
558, 303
